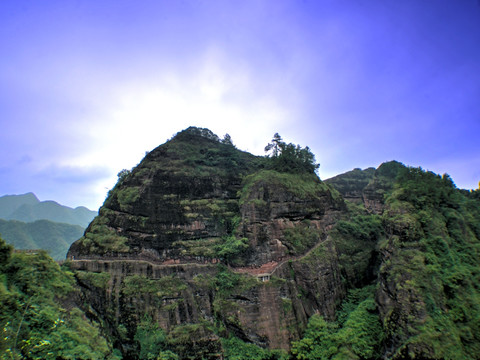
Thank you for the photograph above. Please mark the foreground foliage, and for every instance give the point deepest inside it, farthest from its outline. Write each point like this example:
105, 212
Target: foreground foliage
422, 252
435, 235
37, 317
357, 334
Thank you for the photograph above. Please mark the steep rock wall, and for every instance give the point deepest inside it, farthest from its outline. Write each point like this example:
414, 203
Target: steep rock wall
153, 251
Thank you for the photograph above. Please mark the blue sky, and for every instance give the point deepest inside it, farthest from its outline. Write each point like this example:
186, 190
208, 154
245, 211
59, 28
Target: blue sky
87, 87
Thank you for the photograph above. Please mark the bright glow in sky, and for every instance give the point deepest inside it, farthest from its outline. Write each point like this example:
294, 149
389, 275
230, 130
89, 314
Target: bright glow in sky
87, 87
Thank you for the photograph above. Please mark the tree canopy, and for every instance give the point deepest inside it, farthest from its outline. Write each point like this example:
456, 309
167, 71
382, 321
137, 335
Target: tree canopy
289, 157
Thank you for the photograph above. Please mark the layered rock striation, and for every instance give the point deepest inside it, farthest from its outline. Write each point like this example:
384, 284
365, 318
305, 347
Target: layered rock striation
202, 233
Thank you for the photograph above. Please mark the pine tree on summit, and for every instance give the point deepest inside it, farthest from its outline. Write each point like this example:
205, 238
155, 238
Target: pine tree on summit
227, 140
289, 157
276, 146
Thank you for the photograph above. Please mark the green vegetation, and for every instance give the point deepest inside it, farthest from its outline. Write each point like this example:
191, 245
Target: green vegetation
227, 282
355, 182
167, 286
301, 238
102, 239
289, 157
426, 190
356, 241
236, 349
356, 335
302, 185
123, 175
152, 341
198, 152
222, 212
186, 341
231, 248
53, 237
228, 248
99, 280
27, 208
389, 170
194, 341
33, 321
204, 248
127, 196
434, 231
425, 247
352, 181
180, 343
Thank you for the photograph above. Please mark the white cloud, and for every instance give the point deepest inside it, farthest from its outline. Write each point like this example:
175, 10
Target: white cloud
142, 114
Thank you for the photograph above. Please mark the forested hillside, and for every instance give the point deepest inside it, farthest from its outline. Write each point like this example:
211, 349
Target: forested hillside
55, 238
409, 249
28, 223
28, 208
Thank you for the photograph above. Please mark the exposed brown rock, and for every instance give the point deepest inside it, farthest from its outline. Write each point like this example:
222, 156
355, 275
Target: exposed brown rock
163, 221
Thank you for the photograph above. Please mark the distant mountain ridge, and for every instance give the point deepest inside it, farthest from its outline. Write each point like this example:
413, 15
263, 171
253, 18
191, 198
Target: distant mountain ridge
28, 223
28, 208
10, 203
47, 235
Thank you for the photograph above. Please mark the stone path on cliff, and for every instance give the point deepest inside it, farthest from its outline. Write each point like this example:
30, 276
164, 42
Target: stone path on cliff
267, 269
263, 272
149, 261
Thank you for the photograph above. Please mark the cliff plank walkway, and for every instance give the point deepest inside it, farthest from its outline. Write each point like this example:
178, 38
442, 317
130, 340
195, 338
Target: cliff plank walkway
263, 272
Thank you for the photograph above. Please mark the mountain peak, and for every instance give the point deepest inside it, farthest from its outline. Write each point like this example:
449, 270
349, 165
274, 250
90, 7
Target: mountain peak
194, 131
10, 203
29, 208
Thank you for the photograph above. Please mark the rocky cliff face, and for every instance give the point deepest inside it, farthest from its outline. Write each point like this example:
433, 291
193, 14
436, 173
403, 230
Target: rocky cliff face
367, 187
202, 245
185, 189
201, 233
